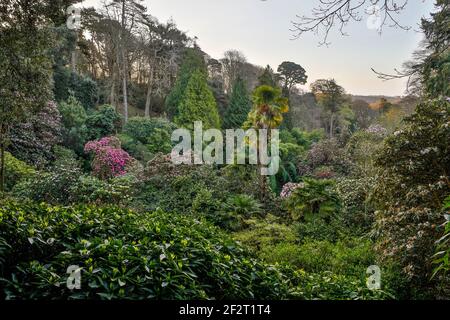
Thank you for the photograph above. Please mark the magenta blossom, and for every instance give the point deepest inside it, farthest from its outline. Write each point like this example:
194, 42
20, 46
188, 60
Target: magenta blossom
109, 159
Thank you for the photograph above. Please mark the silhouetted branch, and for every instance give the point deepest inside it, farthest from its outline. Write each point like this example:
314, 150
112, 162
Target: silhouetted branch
338, 13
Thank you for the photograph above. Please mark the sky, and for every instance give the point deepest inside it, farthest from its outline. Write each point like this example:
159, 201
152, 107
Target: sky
261, 31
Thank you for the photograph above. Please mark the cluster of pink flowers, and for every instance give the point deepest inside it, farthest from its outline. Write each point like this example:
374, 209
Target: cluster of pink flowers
288, 188
96, 145
109, 159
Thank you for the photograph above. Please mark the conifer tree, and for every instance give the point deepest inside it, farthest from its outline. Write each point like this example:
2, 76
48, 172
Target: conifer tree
267, 78
239, 107
193, 61
198, 104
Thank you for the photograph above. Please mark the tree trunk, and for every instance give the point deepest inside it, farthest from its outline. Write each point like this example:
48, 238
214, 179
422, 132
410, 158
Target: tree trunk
124, 62
331, 125
112, 92
125, 94
74, 56
2, 163
149, 94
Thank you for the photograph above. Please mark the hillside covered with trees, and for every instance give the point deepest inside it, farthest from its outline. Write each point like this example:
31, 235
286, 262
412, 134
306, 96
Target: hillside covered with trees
86, 178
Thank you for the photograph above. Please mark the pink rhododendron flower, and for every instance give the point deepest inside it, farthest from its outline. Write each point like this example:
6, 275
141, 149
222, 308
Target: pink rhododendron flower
109, 159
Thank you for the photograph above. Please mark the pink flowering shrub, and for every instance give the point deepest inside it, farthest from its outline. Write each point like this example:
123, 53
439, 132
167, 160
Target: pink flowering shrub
288, 188
109, 158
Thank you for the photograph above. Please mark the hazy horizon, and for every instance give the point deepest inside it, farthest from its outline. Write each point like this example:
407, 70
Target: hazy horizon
242, 25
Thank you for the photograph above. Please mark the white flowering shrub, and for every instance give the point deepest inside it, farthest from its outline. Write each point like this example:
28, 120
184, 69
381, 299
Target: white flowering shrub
411, 186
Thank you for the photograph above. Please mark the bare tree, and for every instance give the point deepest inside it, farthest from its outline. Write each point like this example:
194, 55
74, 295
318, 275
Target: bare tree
130, 14
329, 14
162, 44
233, 62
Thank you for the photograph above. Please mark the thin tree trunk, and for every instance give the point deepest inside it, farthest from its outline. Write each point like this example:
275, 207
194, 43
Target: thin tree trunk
2, 161
331, 125
124, 61
74, 56
2, 169
112, 92
149, 94
125, 94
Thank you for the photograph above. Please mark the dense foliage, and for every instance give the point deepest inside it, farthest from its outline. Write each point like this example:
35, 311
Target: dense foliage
198, 104
124, 255
239, 107
87, 179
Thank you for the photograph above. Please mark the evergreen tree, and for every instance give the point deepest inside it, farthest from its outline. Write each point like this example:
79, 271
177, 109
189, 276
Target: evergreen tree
193, 61
25, 67
267, 78
239, 107
290, 74
198, 104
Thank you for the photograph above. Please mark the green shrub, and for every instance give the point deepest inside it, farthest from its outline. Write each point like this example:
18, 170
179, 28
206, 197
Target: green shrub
442, 256
330, 286
154, 133
243, 205
103, 122
91, 190
160, 141
65, 183
69, 83
53, 186
313, 199
307, 138
124, 255
135, 148
263, 233
235, 210
65, 157
289, 154
357, 211
15, 171
74, 131
321, 229
350, 257
241, 179
187, 190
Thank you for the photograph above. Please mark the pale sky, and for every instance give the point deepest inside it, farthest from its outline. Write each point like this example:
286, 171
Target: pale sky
261, 30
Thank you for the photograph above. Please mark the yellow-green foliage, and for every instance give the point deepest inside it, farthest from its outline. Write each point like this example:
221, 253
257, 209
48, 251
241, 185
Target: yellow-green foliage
16, 170
262, 233
198, 104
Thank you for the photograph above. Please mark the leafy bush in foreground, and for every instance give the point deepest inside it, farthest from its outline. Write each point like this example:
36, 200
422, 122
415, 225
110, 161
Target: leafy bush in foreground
330, 286
124, 255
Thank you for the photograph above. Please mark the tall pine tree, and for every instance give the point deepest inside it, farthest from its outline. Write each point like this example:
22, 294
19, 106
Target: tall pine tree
239, 107
198, 104
193, 61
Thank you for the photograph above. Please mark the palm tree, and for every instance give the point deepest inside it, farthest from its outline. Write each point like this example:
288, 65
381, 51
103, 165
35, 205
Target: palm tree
268, 108
267, 113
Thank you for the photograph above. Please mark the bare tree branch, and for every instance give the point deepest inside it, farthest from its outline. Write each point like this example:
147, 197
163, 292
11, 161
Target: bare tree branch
329, 14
